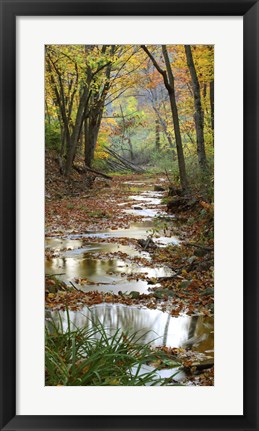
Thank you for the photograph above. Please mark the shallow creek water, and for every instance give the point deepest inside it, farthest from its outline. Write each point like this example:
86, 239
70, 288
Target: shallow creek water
104, 268
152, 326
107, 272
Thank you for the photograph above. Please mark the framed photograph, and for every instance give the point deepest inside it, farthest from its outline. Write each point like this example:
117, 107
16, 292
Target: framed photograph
129, 207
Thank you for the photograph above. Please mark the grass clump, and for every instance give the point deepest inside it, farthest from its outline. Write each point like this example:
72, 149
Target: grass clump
91, 357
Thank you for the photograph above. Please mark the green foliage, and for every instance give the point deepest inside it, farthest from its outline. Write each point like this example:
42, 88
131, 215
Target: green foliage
90, 357
100, 165
161, 161
201, 182
52, 135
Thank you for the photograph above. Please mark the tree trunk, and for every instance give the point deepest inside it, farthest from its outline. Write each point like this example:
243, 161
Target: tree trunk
169, 84
157, 135
131, 150
91, 135
96, 112
178, 138
198, 116
80, 116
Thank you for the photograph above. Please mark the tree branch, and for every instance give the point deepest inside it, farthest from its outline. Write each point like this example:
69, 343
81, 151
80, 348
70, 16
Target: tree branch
158, 68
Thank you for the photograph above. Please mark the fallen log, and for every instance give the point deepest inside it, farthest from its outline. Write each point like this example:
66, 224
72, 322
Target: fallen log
116, 166
123, 161
98, 173
86, 169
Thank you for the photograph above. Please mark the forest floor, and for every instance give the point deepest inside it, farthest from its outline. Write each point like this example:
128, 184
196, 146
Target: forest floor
117, 243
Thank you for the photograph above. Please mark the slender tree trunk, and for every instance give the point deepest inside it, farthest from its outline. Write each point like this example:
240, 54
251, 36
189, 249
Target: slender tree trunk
178, 138
157, 135
198, 116
88, 143
125, 135
81, 140
131, 150
63, 139
169, 84
170, 141
89, 153
96, 112
91, 135
80, 116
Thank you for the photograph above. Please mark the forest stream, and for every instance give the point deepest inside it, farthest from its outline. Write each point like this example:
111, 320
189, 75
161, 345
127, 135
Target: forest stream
129, 215
108, 261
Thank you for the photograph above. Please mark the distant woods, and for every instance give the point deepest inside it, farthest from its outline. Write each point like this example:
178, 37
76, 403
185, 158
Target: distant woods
149, 104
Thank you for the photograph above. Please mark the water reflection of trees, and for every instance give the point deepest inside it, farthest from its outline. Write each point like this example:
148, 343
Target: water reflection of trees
107, 273
149, 325
192, 327
83, 268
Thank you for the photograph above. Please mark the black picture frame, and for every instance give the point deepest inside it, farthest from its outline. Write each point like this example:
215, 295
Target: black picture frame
9, 11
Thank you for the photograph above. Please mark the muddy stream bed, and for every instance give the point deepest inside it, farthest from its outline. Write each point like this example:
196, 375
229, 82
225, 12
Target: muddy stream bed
106, 261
